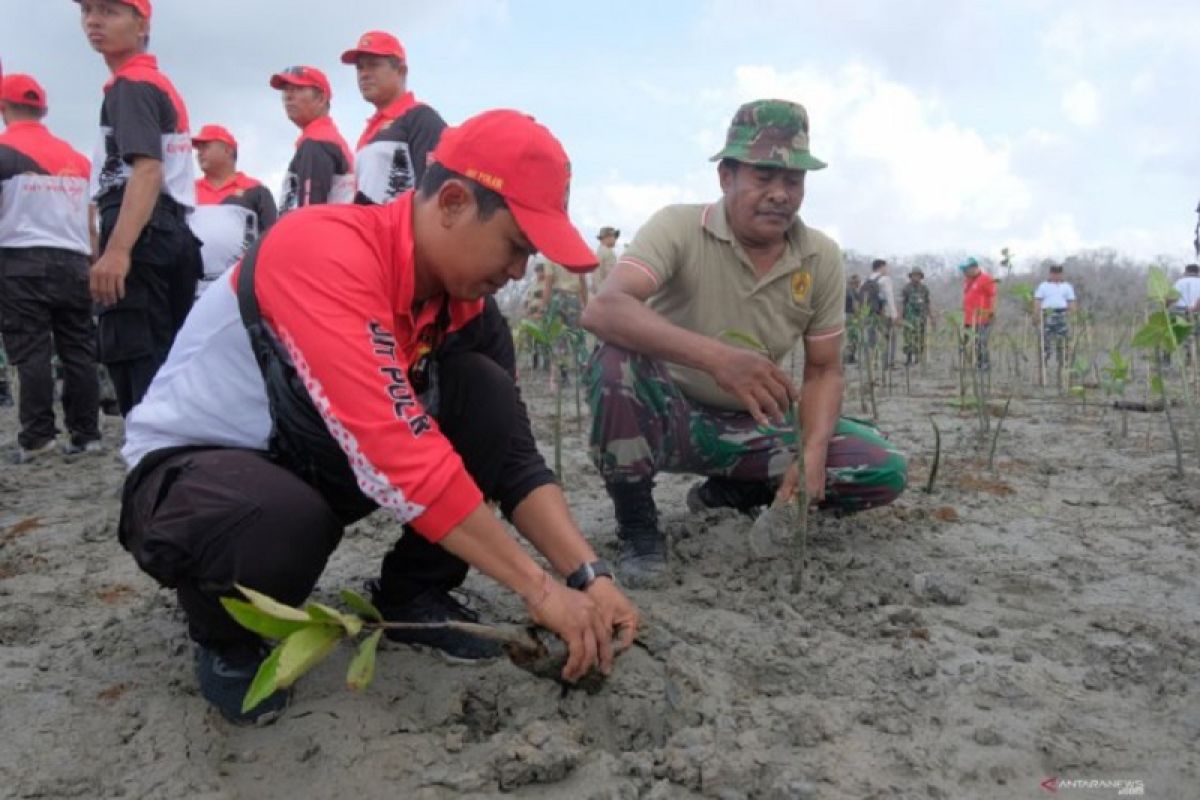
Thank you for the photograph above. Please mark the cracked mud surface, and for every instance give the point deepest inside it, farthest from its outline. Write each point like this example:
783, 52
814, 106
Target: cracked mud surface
1038, 621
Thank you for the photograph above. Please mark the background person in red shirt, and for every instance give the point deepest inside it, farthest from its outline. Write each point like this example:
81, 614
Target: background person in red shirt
346, 365
979, 308
232, 209
395, 146
143, 184
45, 254
322, 170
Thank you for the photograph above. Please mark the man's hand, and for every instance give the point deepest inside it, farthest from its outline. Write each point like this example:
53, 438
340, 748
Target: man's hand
619, 615
762, 387
107, 278
576, 619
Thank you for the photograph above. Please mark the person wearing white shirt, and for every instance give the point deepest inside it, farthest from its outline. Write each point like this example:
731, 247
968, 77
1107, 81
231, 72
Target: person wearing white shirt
1053, 301
890, 314
1188, 303
1188, 288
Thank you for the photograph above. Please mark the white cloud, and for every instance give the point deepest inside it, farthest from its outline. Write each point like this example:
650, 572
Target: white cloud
884, 139
626, 204
1081, 104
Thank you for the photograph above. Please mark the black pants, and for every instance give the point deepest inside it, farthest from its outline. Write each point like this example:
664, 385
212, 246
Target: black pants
201, 520
45, 304
136, 334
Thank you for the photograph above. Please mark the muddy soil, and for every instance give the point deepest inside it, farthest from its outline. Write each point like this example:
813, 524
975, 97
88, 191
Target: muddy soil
1036, 621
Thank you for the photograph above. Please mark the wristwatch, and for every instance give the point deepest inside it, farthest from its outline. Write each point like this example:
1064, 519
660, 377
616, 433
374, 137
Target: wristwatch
583, 577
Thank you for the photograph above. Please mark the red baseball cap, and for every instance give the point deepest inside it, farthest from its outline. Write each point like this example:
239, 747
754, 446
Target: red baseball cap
519, 159
214, 133
140, 6
23, 90
302, 76
375, 43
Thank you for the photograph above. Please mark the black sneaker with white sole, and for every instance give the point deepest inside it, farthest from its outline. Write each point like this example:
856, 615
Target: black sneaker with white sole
433, 606
225, 675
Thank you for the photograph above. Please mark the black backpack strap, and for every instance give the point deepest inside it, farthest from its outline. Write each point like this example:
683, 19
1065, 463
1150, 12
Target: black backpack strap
247, 300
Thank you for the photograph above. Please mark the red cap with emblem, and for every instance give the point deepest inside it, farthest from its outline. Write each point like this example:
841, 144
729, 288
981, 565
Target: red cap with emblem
140, 6
22, 90
519, 159
302, 76
375, 43
214, 133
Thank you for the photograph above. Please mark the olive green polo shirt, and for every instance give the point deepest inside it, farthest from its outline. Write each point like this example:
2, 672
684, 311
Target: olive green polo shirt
707, 284
606, 259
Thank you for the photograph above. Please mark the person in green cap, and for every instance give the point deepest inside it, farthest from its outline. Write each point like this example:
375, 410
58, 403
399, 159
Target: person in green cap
673, 391
979, 310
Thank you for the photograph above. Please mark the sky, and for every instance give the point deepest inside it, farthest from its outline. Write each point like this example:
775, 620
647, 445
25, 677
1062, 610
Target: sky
1047, 126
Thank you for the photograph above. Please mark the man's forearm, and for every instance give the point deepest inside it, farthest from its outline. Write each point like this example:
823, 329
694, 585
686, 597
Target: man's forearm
820, 405
627, 322
543, 519
481, 541
137, 205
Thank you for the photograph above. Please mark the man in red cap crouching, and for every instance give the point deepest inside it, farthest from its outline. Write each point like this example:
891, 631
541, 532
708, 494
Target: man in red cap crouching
232, 209
322, 170
345, 365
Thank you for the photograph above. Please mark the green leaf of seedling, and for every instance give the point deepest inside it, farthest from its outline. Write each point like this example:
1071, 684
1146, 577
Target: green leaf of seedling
1155, 333
1181, 330
331, 616
534, 331
260, 622
265, 681
301, 651
1157, 386
742, 339
272, 608
362, 668
1158, 286
361, 605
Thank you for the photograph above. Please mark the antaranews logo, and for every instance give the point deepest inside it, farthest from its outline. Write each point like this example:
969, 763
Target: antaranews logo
1125, 787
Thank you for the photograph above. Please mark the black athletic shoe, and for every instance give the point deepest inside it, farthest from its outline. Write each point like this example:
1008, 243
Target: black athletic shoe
432, 606
77, 446
743, 496
225, 676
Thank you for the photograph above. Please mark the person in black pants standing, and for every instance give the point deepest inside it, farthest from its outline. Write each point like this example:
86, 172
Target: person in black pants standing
45, 252
143, 185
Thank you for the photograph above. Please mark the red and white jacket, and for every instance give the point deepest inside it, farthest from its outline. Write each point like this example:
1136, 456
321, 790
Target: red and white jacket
143, 116
335, 285
43, 191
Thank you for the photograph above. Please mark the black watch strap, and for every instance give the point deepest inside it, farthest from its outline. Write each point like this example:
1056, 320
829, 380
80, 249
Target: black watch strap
583, 577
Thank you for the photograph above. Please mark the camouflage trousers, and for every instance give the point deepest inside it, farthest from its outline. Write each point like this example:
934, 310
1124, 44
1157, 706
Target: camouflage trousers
642, 425
1056, 332
914, 338
568, 306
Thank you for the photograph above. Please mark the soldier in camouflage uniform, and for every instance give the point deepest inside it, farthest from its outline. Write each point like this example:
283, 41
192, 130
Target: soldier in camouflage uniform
1053, 301
672, 391
917, 311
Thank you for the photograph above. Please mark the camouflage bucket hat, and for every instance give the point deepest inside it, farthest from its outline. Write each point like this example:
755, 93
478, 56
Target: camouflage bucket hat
770, 133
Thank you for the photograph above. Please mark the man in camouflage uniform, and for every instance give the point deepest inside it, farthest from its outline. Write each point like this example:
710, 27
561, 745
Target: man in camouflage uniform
854, 323
917, 311
606, 254
1053, 301
672, 390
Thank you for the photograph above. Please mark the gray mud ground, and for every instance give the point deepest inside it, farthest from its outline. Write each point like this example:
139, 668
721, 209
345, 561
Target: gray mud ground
1037, 622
